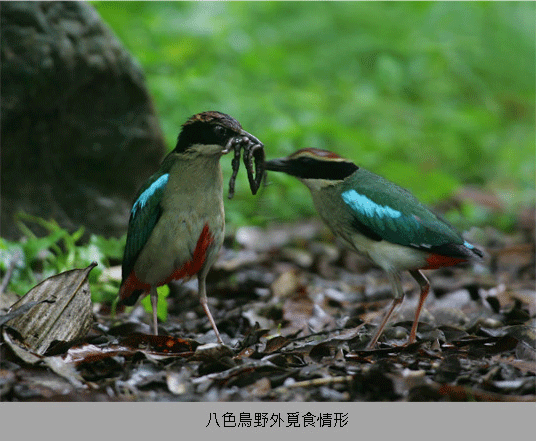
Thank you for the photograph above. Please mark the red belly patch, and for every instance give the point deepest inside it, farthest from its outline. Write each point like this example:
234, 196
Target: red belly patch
133, 283
193, 266
435, 261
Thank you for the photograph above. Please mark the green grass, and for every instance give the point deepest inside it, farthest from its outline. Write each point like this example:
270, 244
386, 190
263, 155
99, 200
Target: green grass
36, 258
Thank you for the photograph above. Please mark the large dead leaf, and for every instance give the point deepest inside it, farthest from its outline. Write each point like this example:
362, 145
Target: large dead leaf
68, 317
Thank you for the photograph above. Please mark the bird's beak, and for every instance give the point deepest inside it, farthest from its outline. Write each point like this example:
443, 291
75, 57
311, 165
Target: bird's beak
250, 139
279, 164
244, 139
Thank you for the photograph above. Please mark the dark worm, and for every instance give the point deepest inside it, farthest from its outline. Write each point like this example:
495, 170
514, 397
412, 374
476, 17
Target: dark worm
235, 165
254, 152
251, 152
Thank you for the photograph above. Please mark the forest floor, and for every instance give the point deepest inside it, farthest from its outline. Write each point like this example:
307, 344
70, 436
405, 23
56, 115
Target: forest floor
296, 311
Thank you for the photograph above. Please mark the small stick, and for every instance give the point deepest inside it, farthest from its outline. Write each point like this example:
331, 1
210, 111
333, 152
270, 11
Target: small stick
315, 382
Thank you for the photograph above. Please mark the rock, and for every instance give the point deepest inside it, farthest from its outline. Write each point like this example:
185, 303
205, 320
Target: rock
79, 129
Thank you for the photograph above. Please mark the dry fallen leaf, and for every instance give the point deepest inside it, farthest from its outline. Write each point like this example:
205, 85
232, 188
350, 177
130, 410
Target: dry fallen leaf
67, 318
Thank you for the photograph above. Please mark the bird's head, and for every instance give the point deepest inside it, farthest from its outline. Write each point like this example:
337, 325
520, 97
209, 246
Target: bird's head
211, 133
316, 168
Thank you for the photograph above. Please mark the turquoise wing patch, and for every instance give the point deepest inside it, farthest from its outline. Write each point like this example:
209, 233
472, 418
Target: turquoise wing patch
144, 215
413, 225
367, 207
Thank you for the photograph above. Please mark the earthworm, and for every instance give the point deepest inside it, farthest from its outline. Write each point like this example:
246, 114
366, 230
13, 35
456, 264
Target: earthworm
252, 152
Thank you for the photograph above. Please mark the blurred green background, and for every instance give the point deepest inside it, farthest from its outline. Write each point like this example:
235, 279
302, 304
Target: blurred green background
436, 96
431, 95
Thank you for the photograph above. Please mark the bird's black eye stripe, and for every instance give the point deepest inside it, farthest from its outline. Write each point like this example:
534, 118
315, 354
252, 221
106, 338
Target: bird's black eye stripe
311, 168
200, 132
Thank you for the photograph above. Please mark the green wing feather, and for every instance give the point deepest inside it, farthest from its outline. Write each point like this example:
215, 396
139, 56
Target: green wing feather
384, 210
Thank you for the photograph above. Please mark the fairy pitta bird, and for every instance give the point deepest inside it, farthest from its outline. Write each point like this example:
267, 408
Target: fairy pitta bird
379, 220
176, 225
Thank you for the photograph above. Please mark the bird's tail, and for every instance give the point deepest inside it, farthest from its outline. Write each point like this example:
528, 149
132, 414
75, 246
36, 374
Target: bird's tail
474, 251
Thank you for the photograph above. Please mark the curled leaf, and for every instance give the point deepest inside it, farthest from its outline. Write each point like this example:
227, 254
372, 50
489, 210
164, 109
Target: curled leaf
67, 318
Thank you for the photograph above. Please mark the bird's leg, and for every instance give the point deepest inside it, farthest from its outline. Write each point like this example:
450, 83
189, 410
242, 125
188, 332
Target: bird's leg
425, 289
154, 303
399, 296
204, 304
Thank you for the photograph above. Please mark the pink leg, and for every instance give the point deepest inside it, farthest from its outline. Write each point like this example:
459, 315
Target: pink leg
154, 303
425, 289
399, 297
203, 300
379, 331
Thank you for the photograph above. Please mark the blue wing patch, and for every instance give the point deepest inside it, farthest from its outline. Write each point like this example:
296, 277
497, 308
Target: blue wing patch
154, 189
143, 217
413, 226
368, 207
